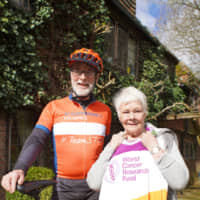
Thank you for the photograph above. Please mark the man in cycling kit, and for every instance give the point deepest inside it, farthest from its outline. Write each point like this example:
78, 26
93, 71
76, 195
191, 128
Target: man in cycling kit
78, 123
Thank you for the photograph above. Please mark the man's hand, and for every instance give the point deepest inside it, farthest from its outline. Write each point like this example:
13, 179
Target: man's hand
9, 181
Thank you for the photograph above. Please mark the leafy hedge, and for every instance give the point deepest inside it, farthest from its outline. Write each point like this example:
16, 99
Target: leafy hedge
34, 47
35, 174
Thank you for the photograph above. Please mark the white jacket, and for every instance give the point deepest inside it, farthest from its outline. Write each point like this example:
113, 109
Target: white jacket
171, 164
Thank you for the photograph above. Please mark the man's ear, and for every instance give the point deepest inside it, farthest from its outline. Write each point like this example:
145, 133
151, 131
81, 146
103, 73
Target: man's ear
97, 77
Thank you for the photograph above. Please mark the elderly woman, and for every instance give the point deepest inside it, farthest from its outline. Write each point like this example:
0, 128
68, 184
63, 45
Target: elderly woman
142, 162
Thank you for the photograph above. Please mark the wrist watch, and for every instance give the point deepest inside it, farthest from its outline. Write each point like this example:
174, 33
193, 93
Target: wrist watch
155, 150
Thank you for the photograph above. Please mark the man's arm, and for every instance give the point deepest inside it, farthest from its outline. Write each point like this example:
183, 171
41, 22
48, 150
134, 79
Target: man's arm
29, 153
31, 149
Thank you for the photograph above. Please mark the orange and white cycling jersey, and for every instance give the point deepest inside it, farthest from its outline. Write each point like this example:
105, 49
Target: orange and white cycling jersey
78, 134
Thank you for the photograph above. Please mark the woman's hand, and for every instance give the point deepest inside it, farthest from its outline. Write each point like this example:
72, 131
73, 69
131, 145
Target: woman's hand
151, 143
117, 139
149, 140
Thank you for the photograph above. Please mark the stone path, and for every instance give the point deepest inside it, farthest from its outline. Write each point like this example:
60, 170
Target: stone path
190, 193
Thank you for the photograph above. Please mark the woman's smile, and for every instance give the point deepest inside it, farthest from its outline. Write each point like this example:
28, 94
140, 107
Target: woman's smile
132, 116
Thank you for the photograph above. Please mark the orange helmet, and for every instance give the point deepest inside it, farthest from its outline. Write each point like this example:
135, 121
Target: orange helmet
87, 56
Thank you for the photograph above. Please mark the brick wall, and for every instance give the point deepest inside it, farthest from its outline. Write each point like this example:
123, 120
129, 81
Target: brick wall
3, 149
20, 127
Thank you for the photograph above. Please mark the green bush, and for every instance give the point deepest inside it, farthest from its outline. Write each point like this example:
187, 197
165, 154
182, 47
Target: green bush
33, 174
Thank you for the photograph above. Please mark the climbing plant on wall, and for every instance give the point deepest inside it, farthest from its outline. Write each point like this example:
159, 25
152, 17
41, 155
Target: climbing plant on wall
21, 70
164, 94
35, 44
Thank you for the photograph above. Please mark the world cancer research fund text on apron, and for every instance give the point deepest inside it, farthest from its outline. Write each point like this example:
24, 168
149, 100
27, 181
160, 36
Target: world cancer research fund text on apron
132, 174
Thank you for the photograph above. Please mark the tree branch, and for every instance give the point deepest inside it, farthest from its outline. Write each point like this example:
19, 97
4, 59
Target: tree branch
110, 81
170, 107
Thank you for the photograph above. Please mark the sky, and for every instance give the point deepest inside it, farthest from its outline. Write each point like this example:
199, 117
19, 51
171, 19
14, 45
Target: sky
147, 11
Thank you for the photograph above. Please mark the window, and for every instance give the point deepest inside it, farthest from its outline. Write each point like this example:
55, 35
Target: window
131, 55
24, 4
122, 48
189, 150
117, 46
110, 38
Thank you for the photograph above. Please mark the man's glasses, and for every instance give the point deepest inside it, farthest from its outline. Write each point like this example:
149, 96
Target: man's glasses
79, 72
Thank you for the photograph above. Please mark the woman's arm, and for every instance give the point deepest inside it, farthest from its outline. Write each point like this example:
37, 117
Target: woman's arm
172, 164
167, 157
96, 172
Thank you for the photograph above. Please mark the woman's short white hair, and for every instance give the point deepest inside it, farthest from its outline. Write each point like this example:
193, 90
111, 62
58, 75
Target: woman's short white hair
128, 94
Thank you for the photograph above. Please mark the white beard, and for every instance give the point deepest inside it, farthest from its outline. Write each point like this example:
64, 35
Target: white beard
82, 91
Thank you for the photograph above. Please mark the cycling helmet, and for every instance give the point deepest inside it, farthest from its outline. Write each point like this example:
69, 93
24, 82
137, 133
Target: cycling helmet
87, 56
